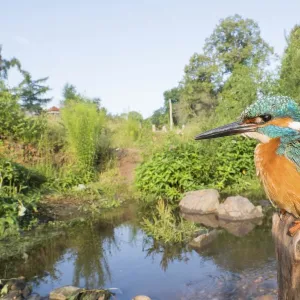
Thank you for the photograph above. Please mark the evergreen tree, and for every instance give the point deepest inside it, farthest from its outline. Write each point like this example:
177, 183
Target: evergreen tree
32, 92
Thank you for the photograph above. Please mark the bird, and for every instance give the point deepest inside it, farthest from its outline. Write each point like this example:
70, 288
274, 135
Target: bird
274, 121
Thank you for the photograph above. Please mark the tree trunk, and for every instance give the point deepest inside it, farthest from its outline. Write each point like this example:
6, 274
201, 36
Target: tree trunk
287, 250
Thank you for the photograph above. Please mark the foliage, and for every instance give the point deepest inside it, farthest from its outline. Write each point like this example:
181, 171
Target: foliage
290, 69
32, 93
7, 64
239, 91
199, 88
83, 123
237, 41
160, 117
185, 167
164, 226
14, 123
69, 93
17, 201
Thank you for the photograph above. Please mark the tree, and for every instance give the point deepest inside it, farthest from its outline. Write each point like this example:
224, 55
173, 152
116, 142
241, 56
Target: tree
199, 87
6, 64
159, 117
134, 115
238, 92
237, 41
69, 93
290, 69
32, 93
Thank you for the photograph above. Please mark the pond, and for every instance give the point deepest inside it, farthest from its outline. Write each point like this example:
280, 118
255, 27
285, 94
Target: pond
115, 253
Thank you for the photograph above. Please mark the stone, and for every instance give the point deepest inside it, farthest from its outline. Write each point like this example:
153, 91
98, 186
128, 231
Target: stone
204, 239
83, 294
12, 295
239, 228
238, 208
141, 297
17, 284
200, 202
265, 203
26, 291
63, 292
34, 297
266, 297
209, 220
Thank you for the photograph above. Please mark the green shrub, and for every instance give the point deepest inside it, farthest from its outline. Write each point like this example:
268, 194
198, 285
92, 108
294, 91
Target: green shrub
17, 200
15, 124
189, 166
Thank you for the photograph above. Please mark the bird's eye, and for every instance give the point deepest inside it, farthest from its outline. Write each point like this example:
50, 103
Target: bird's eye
266, 117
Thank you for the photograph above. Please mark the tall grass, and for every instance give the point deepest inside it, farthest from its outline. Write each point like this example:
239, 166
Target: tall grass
83, 122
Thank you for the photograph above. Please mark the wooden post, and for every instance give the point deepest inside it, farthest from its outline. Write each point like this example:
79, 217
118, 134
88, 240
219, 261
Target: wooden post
287, 250
171, 114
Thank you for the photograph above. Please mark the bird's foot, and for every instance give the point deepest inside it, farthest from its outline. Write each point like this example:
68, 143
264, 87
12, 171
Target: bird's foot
294, 228
282, 213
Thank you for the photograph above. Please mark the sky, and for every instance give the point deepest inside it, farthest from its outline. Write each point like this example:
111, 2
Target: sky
127, 52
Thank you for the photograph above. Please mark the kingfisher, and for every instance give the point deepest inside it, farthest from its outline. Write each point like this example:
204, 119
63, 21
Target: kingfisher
274, 121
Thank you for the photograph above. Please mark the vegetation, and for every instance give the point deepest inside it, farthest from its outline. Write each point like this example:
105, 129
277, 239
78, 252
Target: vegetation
74, 155
164, 226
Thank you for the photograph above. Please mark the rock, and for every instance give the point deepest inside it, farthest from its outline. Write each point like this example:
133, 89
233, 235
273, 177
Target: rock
63, 292
16, 284
266, 297
239, 208
26, 291
265, 203
141, 297
34, 297
239, 228
12, 295
204, 239
83, 294
200, 202
116, 291
209, 220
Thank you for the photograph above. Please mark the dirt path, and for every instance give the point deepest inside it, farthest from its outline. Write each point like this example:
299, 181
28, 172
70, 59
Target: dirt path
128, 160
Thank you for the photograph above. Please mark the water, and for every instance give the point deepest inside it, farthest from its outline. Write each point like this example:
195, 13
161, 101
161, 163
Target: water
115, 253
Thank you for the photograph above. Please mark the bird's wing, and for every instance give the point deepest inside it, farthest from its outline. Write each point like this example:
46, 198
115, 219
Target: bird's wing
292, 152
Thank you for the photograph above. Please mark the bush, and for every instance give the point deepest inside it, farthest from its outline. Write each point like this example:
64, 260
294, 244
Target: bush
191, 166
16, 199
15, 124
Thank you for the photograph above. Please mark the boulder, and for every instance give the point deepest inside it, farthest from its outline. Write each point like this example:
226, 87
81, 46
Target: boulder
141, 297
12, 295
63, 293
238, 208
239, 228
34, 297
204, 239
200, 202
209, 220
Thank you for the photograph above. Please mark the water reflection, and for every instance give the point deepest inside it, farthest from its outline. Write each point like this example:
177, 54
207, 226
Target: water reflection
116, 253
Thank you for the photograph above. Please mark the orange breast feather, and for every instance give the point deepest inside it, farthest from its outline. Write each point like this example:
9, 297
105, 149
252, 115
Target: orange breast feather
279, 176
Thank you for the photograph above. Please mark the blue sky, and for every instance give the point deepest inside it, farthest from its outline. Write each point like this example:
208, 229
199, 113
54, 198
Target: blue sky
127, 52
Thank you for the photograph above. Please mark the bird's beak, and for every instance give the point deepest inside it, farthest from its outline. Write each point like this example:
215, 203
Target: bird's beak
226, 130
